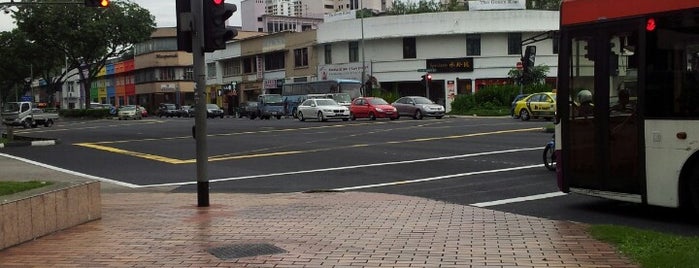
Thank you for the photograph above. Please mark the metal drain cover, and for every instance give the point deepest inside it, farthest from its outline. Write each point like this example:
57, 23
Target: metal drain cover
245, 250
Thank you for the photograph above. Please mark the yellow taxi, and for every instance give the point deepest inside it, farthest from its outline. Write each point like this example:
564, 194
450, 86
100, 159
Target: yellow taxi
542, 104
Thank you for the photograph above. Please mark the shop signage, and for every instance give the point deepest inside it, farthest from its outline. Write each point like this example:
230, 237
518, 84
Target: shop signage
455, 65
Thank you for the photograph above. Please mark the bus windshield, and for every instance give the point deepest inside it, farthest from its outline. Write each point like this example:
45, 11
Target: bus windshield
342, 97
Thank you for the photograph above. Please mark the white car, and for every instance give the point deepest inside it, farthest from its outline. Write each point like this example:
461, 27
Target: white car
322, 109
129, 112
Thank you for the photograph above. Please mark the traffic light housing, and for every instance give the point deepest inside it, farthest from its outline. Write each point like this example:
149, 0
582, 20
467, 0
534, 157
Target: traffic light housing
216, 33
528, 59
426, 79
184, 25
97, 3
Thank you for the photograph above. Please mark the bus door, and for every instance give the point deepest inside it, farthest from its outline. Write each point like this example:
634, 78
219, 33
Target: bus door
603, 127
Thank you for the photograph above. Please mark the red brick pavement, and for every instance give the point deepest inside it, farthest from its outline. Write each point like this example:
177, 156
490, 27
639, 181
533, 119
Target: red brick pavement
316, 230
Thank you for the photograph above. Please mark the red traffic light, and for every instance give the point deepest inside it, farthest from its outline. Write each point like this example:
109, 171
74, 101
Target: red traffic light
97, 3
217, 2
650, 25
429, 77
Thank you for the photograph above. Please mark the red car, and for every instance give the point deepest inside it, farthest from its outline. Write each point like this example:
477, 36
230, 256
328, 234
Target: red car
372, 108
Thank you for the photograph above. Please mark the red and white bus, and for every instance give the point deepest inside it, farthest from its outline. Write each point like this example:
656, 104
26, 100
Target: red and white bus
628, 100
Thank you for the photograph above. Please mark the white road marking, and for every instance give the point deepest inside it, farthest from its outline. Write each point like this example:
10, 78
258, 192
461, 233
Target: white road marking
517, 199
435, 178
366, 165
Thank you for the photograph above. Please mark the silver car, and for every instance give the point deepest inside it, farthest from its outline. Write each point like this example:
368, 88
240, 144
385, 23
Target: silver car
418, 107
322, 109
129, 112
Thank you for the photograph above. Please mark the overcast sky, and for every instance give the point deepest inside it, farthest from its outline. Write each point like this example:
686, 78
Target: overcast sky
163, 10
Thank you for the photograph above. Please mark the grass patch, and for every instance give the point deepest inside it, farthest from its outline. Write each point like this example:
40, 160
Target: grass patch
11, 187
650, 248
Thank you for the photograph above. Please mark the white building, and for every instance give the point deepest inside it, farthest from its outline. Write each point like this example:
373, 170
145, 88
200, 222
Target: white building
297, 15
462, 50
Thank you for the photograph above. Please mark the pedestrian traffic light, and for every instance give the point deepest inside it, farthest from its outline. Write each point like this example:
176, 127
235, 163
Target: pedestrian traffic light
184, 25
97, 3
216, 33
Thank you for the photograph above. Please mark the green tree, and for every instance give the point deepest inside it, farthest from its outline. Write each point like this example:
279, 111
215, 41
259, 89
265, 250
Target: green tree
82, 37
15, 66
538, 75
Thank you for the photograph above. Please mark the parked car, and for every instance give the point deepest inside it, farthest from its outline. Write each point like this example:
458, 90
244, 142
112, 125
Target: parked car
249, 109
168, 110
514, 103
322, 109
372, 108
186, 111
129, 112
418, 107
542, 104
212, 110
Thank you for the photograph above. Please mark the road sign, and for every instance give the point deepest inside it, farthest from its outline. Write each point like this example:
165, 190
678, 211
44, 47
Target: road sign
427, 70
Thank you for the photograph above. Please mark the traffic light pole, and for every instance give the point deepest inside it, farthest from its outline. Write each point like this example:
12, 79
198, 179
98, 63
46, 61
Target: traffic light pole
200, 103
427, 85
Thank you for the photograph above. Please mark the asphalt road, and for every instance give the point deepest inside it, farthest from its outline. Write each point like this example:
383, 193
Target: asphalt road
487, 162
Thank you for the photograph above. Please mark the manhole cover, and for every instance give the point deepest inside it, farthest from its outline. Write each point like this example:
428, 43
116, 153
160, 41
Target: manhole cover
245, 250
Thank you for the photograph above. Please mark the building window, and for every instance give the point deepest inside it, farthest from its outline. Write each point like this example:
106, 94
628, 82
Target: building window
249, 65
354, 51
231, 68
188, 74
514, 43
328, 54
301, 57
166, 74
473, 44
409, 48
211, 70
274, 61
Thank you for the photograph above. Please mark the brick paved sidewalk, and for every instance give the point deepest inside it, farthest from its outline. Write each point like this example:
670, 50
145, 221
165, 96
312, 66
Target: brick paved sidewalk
310, 230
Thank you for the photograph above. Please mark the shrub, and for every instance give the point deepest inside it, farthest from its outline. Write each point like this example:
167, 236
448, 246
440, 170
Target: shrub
82, 113
463, 103
389, 96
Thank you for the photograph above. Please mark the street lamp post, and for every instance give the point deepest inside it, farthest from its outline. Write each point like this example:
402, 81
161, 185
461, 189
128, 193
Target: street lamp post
361, 19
